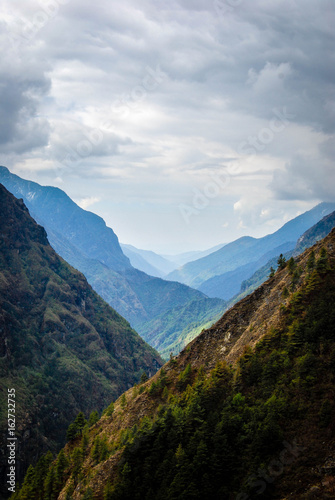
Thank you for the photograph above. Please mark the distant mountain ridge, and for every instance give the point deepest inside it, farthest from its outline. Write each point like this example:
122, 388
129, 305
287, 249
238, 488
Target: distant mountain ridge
161, 265
316, 233
185, 257
241, 257
147, 261
55, 210
85, 241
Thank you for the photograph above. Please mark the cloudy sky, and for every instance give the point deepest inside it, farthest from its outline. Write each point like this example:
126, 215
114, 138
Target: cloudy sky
185, 123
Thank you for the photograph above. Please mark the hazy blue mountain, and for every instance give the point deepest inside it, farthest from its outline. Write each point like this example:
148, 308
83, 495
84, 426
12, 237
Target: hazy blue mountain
247, 249
228, 284
54, 209
147, 261
161, 265
316, 233
185, 257
84, 240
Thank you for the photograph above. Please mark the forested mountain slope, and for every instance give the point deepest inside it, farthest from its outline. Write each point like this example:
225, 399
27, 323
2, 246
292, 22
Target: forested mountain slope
62, 348
245, 411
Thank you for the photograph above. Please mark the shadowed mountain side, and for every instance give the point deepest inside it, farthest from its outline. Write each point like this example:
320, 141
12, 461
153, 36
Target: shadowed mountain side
228, 284
62, 347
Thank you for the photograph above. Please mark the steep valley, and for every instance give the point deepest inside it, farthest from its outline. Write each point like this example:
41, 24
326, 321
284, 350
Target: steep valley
245, 411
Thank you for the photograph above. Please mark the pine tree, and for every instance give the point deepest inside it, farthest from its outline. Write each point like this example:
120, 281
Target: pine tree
93, 418
80, 421
28, 491
123, 401
71, 432
61, 465
311, 261
272, 272
84, 441
50, 488
281, 262
96, 450
322, 264
109, 410
76, 461
103, 450
41, 470
291, 264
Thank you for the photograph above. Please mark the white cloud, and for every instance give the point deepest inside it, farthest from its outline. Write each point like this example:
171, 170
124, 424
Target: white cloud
85, 70
87, 202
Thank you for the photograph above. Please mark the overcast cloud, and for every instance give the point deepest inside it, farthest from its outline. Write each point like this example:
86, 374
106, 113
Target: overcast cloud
184, 123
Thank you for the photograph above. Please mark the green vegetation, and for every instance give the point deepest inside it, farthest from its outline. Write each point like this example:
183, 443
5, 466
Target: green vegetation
206, 440
174, 329
63, 348
214, 431
281, 262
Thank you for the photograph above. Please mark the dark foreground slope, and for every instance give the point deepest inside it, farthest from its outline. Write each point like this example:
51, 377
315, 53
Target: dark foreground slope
62, 348
245, 411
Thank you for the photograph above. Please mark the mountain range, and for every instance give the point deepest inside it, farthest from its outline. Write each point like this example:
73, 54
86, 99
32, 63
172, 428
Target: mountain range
167, 314
83, 239
62, 347
320, 230
246, 410
161, 265
221, 273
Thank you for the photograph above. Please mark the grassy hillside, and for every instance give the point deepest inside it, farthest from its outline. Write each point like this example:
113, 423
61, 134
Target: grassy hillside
173, 330
245, 411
